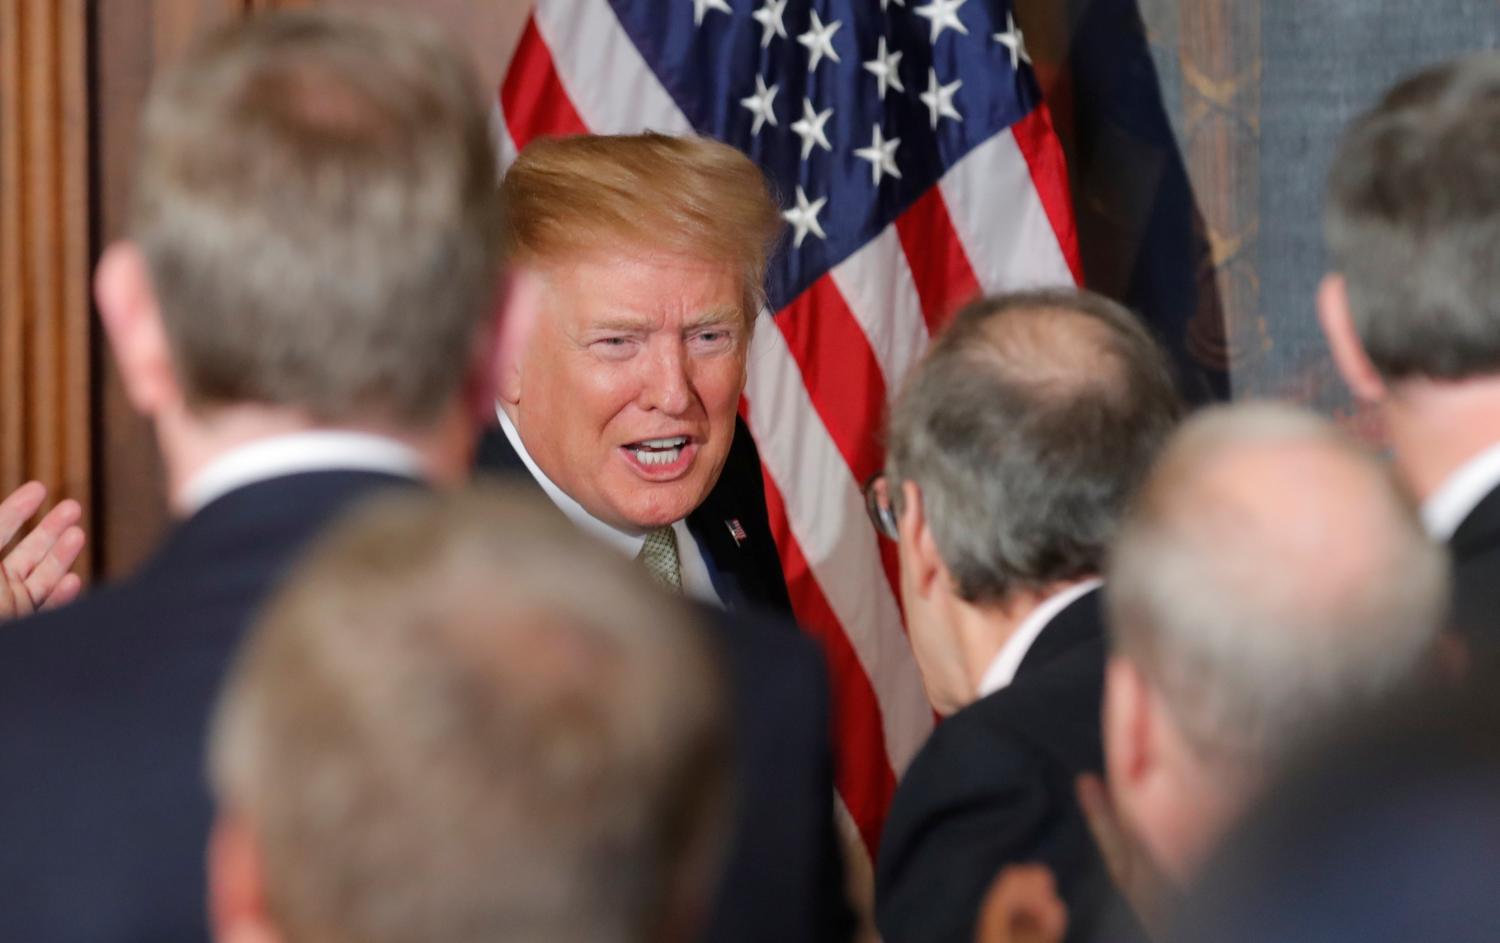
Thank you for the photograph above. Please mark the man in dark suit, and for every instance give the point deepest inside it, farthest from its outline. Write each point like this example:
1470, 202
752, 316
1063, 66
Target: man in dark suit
305, 309
1410, 307
1013, 449
621, 405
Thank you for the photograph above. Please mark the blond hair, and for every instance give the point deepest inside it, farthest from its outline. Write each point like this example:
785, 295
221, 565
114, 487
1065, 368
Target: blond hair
315, 199
683, 195
435, 737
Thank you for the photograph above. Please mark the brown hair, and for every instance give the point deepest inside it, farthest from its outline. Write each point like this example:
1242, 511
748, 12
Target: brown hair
686, 195
435, 737
315, 197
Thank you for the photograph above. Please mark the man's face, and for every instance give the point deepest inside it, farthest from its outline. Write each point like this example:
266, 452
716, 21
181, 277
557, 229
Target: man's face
628, 387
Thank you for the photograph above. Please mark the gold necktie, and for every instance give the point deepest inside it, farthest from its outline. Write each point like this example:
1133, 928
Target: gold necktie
659, 556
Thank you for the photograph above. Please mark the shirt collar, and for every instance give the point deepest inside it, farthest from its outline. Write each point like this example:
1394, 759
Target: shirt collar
276, 456
1002, 670
625, 541
1445, 509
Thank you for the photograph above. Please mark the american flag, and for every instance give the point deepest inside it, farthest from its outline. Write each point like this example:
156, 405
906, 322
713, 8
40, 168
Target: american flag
917, 168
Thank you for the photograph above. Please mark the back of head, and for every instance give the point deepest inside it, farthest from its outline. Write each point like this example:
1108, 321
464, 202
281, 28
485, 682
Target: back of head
1027, 426
315, 198
1270, 578
1413, 223
462, 720
574, 196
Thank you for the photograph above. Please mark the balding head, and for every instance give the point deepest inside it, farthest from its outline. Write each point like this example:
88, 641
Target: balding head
1270, 577
1026, 427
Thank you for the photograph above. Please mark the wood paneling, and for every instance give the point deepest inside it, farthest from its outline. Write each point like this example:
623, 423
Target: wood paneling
45, 402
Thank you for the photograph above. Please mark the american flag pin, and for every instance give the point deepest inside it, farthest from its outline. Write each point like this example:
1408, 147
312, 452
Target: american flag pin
736, 530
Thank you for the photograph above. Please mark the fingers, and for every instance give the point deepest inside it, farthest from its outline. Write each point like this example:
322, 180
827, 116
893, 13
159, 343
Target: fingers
35, 546
49, 575
1022, 906
17, 509
66, 590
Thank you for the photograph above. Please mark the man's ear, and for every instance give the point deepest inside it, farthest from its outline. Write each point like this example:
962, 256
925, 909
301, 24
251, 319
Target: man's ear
1130, 748
1349, 356
237, 907
518, 321
917, 547
131, 316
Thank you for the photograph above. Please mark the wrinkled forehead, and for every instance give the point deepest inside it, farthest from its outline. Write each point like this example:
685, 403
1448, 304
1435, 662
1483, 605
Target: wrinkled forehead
631, 283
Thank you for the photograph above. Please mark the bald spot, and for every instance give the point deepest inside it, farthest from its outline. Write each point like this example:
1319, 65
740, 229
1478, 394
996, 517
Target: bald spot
1056, 351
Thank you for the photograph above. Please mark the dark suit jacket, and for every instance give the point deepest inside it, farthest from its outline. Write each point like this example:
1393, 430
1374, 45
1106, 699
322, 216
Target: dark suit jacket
784, 878
746, 572
104, 808
1475, 547
994, 786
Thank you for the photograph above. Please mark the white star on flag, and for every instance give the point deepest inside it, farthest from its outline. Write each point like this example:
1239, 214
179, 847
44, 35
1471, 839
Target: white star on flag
760, 104
769, 17
939, 98
884, 67
810, 128
804, 217
1013, 40
819, 40
944, 15
701, 8
885, 3
882, 156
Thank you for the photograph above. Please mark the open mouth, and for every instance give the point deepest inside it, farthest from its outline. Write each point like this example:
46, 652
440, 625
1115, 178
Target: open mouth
654, 452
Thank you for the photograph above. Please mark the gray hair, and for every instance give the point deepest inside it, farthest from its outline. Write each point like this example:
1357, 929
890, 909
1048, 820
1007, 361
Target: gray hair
1413, 222
1027, 426
315, 198
462, 720
1270, 577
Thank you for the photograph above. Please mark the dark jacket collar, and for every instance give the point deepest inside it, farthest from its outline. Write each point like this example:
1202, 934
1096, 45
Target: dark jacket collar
1080, 622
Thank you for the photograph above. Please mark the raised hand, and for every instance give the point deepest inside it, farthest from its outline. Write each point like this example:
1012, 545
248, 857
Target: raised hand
34, 574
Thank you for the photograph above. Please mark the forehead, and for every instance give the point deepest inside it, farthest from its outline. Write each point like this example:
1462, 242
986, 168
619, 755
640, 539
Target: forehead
622, 282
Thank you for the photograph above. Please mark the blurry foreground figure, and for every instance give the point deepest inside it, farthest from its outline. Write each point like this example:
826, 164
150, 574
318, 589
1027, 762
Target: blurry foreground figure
1270, 581
1411, 309
306, 309
434, 737
1014, 448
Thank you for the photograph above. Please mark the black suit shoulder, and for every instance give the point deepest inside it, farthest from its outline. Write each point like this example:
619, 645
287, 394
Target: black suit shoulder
993, 786
103, 713
1475, 549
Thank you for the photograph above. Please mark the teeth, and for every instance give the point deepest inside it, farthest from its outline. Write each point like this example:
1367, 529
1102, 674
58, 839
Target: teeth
656, 458
673, 443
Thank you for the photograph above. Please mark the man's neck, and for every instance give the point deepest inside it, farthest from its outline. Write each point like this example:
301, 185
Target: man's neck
191, 443
1435, 427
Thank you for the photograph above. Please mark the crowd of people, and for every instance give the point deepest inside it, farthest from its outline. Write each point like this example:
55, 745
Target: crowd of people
471, 625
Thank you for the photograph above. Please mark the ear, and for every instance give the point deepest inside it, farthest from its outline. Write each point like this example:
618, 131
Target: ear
1130, 748
917, 547
236, 885
519, 316
1349, 356
131, 316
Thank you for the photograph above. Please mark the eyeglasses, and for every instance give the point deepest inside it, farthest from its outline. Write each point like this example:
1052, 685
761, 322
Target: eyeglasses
879, 506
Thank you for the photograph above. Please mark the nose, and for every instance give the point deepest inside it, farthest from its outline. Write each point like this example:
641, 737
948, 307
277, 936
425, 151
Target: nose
668, 385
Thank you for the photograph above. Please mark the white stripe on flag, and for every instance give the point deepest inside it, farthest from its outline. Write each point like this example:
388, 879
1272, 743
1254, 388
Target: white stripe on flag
1008, 237
877, 285
826, 514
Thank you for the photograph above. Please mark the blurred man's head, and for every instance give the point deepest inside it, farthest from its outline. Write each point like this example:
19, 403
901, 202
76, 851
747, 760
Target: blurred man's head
315, 228
435, 737
1270, 577
649, 252
1013, 449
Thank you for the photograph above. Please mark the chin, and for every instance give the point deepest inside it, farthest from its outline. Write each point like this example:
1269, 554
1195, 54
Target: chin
657, 511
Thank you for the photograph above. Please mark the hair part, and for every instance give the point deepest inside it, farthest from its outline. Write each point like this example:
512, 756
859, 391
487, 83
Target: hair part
434, 736
1412, 221
689, 196
1270, 578
315, 197
1027, 426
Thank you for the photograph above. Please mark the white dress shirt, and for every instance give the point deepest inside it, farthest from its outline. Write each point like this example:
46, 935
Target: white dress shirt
695, 579
1445, 509
294, 453
1002, 671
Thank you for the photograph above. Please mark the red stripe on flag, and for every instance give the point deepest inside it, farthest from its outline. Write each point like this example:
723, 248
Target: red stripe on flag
532, 96
863, 775
840, 371
1049, 174
945, 280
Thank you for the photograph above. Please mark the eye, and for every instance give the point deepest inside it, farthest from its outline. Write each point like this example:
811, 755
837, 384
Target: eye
714, 338
614, 346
